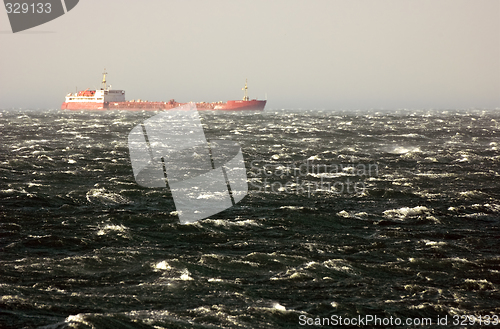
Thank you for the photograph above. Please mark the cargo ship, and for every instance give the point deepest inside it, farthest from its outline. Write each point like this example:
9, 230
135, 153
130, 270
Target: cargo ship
109, 99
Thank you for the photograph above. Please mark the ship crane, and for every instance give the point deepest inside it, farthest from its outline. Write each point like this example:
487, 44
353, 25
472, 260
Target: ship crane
104, 85
245, 96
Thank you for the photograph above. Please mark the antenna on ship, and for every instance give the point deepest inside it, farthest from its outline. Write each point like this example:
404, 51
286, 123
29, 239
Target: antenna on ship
104, 85
245, 97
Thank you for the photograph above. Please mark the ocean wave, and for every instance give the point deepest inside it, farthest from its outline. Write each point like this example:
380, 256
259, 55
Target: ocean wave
406, 212
84, 246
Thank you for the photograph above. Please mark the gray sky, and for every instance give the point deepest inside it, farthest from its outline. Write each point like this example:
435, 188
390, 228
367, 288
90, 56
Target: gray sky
302, 54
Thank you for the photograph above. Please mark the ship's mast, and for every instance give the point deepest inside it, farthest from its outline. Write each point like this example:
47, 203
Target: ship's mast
245, 97
104, 85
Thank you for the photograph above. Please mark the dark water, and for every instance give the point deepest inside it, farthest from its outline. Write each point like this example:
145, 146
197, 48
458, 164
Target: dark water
408, 226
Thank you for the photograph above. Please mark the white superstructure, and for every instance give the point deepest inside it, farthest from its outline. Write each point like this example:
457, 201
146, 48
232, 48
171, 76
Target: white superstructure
105, 94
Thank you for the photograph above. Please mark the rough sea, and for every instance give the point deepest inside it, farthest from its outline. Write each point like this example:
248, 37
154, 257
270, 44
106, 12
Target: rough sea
351, 217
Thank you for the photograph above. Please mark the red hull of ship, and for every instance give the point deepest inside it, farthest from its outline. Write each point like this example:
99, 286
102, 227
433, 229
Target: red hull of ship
250, 105
82, 106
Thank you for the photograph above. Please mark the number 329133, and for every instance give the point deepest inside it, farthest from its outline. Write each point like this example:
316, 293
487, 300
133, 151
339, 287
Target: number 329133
23, 8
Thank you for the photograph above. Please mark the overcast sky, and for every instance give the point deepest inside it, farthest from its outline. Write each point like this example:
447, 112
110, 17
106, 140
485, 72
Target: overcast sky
350, 54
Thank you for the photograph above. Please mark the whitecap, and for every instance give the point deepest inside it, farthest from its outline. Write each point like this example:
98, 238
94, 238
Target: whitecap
344, 214
279, 307
111, 227
185, 275
101, 195
163, 265
406, 212
227, 223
